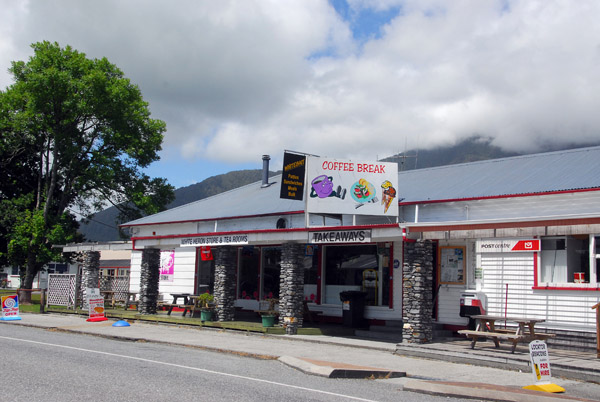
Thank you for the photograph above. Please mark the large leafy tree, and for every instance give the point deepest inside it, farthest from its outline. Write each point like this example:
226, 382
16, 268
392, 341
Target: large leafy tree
74, 136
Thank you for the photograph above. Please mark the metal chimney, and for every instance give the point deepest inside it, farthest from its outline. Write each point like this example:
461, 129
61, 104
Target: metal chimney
265, 171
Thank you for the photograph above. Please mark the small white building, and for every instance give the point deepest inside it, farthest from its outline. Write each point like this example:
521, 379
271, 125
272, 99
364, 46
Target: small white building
529, 230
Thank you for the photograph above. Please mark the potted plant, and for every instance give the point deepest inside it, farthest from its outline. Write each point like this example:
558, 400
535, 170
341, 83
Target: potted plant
269, 315
206, 302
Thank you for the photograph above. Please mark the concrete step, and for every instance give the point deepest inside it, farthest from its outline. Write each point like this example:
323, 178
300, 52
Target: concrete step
385, 336
385, 328
573, 341
439, 334
390, 332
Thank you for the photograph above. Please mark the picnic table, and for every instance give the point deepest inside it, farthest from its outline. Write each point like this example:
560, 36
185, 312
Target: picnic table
132, 300
109, 297
486, 328
186, 305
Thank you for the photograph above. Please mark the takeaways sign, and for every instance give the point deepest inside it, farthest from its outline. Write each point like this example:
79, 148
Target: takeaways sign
351, 187
508, 246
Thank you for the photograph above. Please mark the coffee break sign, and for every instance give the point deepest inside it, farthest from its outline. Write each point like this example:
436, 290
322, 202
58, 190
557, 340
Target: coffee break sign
351, 187
220, 240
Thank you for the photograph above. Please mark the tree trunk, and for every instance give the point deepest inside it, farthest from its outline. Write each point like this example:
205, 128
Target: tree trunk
33, 267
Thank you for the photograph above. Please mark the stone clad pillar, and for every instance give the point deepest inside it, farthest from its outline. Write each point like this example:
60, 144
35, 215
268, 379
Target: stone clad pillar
225, 280
90, 274
149, 277
291, 289
417, 304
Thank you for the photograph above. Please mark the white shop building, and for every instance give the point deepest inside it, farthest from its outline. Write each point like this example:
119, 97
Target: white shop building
525, 231
521, 230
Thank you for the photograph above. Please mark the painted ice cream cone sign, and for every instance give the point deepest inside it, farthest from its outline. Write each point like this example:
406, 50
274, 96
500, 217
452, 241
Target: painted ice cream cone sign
389, 193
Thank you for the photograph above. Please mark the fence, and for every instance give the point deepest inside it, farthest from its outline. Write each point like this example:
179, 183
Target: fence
62, 290
65, 289
117, 284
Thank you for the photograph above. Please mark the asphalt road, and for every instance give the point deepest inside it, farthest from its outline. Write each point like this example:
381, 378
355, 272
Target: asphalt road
42, 365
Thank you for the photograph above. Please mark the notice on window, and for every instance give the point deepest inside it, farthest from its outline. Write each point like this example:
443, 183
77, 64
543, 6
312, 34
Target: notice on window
452, 265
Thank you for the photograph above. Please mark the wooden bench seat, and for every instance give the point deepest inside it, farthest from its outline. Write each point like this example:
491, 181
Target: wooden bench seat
171, 306
128, 304
487, 334
541, 337
504, 335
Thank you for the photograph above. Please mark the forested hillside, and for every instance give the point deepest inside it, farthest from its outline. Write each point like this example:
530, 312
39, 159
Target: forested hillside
104, 228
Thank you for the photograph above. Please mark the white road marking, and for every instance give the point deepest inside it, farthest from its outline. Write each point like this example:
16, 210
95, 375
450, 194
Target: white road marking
190, 368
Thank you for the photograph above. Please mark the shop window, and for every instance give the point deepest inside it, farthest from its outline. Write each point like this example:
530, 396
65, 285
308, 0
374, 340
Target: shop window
57, 268
566, 260
205, 275
311, 265
353, 268
107, 272
596, 257
271, 272
248, 273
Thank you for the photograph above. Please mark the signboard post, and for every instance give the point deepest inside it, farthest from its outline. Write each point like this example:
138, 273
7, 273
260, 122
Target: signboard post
95, 305
540, 367
10, 308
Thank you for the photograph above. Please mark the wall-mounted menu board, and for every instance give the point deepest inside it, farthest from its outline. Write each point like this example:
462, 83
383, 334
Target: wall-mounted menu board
451, 265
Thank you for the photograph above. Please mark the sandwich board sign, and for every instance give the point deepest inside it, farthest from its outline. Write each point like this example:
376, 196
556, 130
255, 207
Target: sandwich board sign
95, 305
10, 308
540, 367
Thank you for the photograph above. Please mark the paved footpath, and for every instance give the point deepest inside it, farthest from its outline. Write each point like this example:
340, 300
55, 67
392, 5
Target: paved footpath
334, 357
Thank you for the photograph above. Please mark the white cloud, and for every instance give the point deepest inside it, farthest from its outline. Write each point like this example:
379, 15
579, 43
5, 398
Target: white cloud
235, 80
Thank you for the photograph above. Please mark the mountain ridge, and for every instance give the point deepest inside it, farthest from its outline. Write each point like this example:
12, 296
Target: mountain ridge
103, 227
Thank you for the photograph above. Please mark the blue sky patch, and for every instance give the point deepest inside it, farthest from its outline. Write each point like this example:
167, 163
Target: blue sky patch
365, 23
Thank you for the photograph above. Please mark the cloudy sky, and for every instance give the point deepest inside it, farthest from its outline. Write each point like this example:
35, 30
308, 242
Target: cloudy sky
355, 79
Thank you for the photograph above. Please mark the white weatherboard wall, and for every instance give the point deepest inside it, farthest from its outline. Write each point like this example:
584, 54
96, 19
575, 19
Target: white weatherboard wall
184, 273
448, 305
562, 309
448, 300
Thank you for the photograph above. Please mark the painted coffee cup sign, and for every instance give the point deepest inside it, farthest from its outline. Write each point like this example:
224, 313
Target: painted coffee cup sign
351, 187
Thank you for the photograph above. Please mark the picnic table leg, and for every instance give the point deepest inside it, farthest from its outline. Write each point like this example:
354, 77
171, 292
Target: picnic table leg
492, 328
473, 341
170, 309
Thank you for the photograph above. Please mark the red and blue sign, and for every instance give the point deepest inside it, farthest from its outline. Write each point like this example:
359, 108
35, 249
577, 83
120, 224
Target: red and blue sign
10, 308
